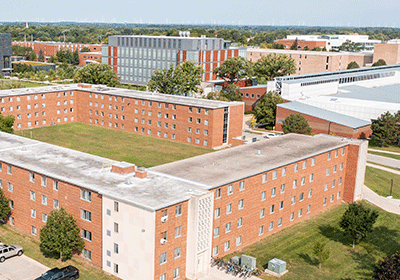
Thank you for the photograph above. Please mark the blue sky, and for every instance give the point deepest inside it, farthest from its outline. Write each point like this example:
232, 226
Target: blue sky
253, 12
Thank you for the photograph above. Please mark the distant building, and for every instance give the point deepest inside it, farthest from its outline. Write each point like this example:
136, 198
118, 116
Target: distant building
89, 57
302, 44
315, 61
5, 51
135, 58
389, 52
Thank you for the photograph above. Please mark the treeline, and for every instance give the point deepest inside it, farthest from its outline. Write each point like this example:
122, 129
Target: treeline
244, 35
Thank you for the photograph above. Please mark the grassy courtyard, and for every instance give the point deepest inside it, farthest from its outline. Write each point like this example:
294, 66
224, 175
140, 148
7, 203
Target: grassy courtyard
379, 181
114, 144
294, 245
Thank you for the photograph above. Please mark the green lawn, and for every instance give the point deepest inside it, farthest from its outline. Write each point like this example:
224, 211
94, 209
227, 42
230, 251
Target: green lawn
114, 144
88, 271
294, 245
385, 155
390, 167
379, 181
377, 146
7, 84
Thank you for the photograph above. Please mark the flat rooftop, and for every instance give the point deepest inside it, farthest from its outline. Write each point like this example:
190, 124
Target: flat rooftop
229, 165
321, 53
88, 171
386, 93
101, 89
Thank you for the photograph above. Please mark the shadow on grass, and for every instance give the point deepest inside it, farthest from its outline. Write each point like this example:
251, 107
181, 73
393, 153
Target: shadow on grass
383, 239
308, 259
365, 263
335, 234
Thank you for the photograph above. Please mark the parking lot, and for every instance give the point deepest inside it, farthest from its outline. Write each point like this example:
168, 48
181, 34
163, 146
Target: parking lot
21, 268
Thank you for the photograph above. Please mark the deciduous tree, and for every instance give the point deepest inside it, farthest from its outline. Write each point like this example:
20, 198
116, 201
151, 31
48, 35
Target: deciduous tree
349, 46
265, 111
296, 123
61, 235
94, 73
353, 65
272, 65
233, 69
388, 268
358, 221
6, 123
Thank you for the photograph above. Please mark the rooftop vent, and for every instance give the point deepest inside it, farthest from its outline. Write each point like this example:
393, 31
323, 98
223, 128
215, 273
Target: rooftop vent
258, 153
23, 148
128, 181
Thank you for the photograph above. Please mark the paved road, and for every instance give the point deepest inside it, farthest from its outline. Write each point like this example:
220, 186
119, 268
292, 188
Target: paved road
21, 268
384, 160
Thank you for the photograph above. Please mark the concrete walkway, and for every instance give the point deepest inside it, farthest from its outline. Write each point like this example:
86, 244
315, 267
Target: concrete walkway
383, 168
384, 160
388, 204
385, 152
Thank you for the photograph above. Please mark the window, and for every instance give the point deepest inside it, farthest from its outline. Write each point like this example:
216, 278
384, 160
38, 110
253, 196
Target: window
239, 222
44, 200
11, 203
336, 153
304, 164
341, 166
338, 195
271, 226
227, 245
240, 206
178, 231
10, 187
44, 218
332, 198
292, 216
163, 258
230, 189
86, 195
87, 254
281, 205
334, 168
32, 177
241, 186
229, 209
300, 212
293, 200
44, 181
218, 193
303, 181
178, 210
294, 184
116, 227
342, 151
34, 231
333, 183
216, 232
327, 171
272, 210
262, 213
273, 192
85, 234
55, 185
324, 202
326, 187
33, 196
115, 268
227, 227
238, 240
279, 222
264, 178
301, 197
311, 177
116, 206
329, 156
217, 213
86, 215
282, 188
312, 161
33, 213
296, 167
283, 171
340, 180
260, 230
215, 251
309, 193
263, 196
176, 272
274, 174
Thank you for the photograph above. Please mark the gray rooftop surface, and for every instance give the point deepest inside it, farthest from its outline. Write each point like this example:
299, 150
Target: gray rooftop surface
154, 192
324, 114
152, 96
388, 93
229, 165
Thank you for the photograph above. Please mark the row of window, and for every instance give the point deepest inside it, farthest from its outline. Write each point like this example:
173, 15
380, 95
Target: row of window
35, 97
44, 122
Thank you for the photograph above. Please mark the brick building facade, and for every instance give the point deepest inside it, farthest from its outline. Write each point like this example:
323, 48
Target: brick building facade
301, 44
389, 52
182, 119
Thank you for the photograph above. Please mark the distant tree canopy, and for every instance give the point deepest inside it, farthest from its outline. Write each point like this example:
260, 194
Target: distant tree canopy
379, 62
353, 65
265, 111
296, 123
349, 46
233, 69
230, 93
65, 56
272, 65
85, 49
95, 73
21, 51
294, 45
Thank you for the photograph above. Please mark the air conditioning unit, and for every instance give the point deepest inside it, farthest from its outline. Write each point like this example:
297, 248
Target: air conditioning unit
164, 219
163, 241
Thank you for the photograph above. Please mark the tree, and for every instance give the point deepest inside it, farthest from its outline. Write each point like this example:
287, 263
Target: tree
230, 93
379, 62
32, 56
353, 65
349, 46
94, 73
358, 221
85, 49
273, 65
183, 80
265, 111
388, 268
294, 45
321, 253
6, 123
233, 69
60, 236
385, 129
296, 123
5, 209
41, 56
75, 58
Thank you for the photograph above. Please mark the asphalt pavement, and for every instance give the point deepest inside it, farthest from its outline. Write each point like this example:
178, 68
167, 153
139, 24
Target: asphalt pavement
21, 268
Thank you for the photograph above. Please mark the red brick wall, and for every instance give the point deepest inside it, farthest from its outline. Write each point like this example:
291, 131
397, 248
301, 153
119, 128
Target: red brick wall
251, 95
172, 243
89, 56
235, 125
253, 203
301, 44
69, 197
351, 172
322, 126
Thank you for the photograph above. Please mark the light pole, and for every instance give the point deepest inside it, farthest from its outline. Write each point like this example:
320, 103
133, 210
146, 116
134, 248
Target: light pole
391, 187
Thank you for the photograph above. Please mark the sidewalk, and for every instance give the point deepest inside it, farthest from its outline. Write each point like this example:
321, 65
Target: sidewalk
383, 168
387, 204
385, 152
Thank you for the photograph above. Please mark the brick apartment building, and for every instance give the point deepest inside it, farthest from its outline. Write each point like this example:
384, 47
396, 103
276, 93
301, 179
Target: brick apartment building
174, 217
50, 49
5, 51
182, 119
134, 58
312, 61
301, 44
389, 52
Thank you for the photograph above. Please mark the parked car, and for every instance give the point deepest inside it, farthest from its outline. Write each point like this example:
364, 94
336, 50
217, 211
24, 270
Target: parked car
69, 272
270, 135
8, 251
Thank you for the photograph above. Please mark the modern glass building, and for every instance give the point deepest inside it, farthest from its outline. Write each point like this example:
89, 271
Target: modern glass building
5, 51
134, 58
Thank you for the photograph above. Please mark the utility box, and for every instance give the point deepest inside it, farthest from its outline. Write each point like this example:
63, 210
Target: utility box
277, 266
249, 262
236, 260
